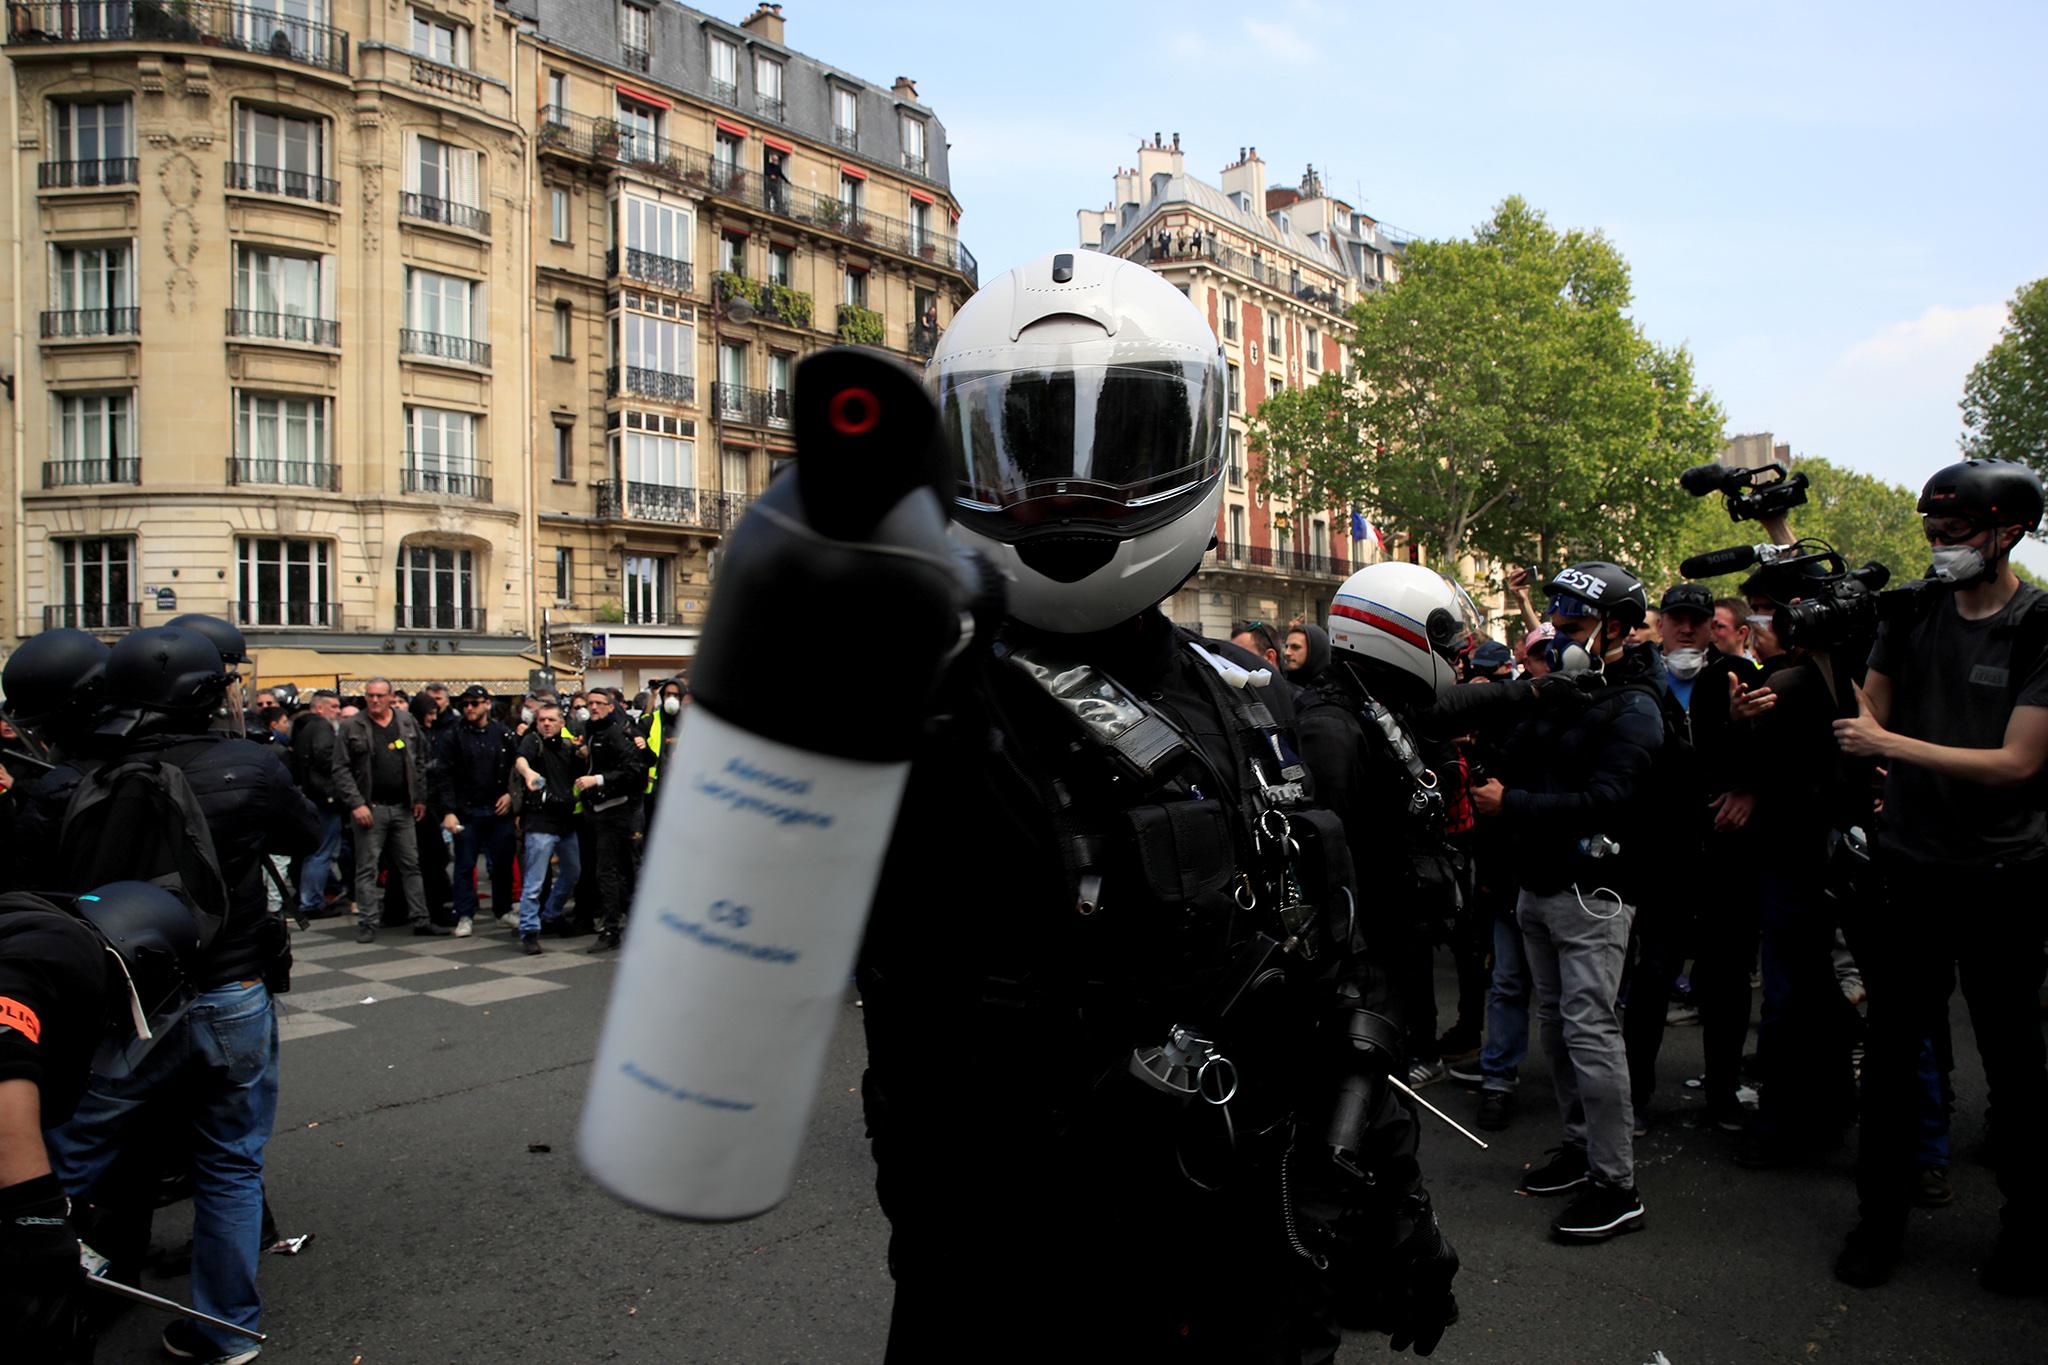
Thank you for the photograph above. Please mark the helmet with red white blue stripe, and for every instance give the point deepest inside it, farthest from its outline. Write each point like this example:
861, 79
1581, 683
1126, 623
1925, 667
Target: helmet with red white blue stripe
1408, 618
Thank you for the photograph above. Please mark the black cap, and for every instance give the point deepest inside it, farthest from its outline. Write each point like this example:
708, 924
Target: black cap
1688, 597
476, 691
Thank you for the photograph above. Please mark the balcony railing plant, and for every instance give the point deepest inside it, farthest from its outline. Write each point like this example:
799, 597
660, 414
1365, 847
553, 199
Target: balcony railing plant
699, 508
246, 28
444, 211
646, 266
93, 615
89, 174
440, 346
319, 475
64, 324
634, 379
474, 481
771, 302
751, 407
859, 326
72, 473
247, 175
438, 616
607, 140
270, 611
258, 326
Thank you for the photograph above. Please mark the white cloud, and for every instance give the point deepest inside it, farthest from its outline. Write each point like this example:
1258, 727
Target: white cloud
1938, 346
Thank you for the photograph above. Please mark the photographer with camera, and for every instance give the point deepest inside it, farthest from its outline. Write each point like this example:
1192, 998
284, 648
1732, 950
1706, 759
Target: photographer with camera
1955, 707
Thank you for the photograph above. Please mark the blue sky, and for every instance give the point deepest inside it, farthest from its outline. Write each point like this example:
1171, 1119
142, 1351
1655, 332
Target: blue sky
1830, 204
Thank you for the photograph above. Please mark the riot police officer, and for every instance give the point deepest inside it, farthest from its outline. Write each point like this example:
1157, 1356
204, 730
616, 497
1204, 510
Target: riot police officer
1126, 1055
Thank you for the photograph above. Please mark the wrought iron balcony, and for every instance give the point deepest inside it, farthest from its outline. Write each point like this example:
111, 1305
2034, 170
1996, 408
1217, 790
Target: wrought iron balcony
440, 346
924, 338
245, 322
65, 324
247, 175
701, 509
473, 481
635, 58
245, 28
319, 475
771, 108
725, 92
93, 615
917, 165
73, 473
88, 174
269, 611
653, 616
1270, 559
670, 388
635, 264
849, 138
439, 616
751, 407
429, 209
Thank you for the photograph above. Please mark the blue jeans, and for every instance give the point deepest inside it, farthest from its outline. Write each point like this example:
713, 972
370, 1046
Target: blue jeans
1507, 1010
489, 834
219, 1063
319, 864
534, 861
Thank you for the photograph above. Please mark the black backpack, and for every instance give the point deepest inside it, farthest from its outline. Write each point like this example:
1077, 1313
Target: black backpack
136, 819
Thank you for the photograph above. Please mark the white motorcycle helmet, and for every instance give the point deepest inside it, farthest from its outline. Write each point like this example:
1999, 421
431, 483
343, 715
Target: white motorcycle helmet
1407, 618
1085, 399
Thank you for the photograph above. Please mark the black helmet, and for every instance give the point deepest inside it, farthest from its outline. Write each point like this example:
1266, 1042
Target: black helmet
55, 670
157, 939
166, 669
1987, 492
226, 636
1608, 589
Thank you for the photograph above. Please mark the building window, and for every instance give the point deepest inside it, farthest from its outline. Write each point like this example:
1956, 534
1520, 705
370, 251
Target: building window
564, 324
639, 129
768, 87
845, 116
440, 40
93, 440
726, 153
853, 193
1312, 349
920, 225
1236, 389
91, 143
647, 589
1274, 385
1274, 343
657, 344
92, 292
565, 452
737, 472
565, 573
781, 265
443, 184
1237, 536
781, 369
635, 36
913, 145
282, 582
1319, 539
558, 214
732, 380
94, 583
1236, 447
270, 283
444, 317
1230, 317
558, 91
281, 154
856, 295
656, 452
282, 439
437, 589
732, 253
725, 71
440, 453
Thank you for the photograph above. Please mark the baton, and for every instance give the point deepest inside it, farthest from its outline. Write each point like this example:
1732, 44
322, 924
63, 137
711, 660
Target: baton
1438, 1112
172, 1306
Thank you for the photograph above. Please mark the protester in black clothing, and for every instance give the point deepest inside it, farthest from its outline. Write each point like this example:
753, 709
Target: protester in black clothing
1955, 708
546, 768
380, 776
436, 851
1307, 652
475, 770
611, 792
312, 750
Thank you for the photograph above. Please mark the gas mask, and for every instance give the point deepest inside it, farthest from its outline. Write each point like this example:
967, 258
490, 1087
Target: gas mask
671, 705
1685, 664
1959, 566
1567, 655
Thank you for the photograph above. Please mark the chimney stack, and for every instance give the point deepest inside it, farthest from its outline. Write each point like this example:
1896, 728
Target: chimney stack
1247, 178
766, 21
905, 89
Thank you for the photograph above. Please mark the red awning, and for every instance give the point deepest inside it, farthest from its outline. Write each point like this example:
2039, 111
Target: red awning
779, 145
736, 129
641, 95
922, 197
854, 172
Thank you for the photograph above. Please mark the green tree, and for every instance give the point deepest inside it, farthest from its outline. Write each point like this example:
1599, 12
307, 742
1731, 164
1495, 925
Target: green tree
2005, 399
1304, 439
1503, 403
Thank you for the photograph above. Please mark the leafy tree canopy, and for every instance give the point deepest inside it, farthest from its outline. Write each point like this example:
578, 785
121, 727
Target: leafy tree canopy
2005, 399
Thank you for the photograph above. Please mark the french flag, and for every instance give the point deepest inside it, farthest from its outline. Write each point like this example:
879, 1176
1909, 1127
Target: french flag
1361, 529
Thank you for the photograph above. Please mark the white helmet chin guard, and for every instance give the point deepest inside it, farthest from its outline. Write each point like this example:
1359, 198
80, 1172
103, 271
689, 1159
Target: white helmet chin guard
1085, 399
1408, 618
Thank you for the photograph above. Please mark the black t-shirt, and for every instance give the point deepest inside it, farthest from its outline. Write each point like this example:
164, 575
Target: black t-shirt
53, 982
387, 765
1955, 683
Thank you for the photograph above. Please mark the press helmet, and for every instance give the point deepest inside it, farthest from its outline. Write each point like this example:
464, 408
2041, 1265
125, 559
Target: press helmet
1084, 396
166, 669
1407, 618
1987, 492
1611, 591
51, 672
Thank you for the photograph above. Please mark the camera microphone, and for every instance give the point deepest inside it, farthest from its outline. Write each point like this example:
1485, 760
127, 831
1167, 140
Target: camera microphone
1714, 563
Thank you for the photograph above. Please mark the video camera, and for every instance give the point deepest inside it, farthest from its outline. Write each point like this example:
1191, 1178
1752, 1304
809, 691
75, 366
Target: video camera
1765, 491
1837, 605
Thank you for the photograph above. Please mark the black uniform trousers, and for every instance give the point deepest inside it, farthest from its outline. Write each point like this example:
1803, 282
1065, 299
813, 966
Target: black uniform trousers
611, 848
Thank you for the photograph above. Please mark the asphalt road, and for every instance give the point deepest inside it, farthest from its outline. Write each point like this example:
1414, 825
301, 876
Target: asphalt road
404, 1141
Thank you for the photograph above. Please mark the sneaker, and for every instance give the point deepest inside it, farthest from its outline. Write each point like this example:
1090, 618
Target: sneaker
509, 918
1566, 1170
366, 932
1425, 1073
1465, 1073
1496, 1110
2014, 1266
530, 944
606, 942
1603, 1211
1852, 990
184, 1341
1681, 1016
429, 929
1868, 1257
1931, 1189
464, 927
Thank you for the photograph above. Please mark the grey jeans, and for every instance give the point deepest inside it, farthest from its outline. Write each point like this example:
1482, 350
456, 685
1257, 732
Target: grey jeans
392, 824
1576, 950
